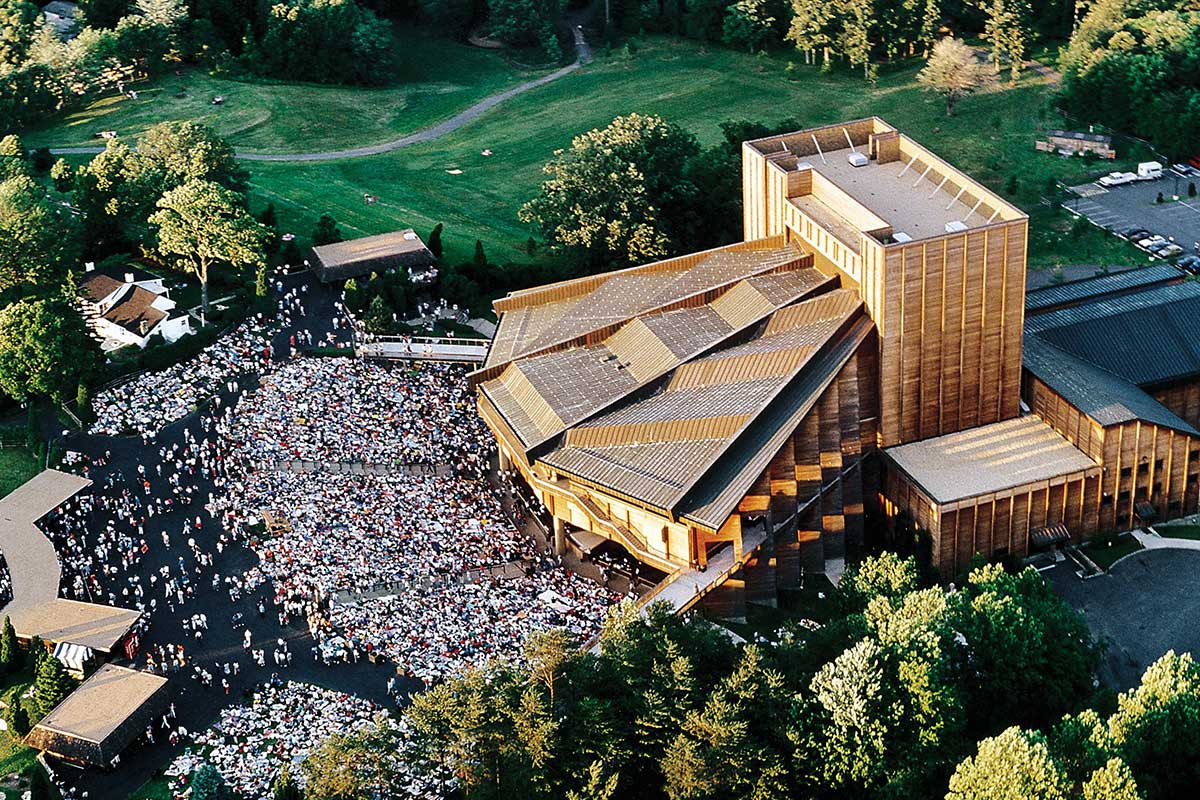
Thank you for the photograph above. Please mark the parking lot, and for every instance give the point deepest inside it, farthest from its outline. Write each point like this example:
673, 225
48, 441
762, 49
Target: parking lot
1146, 606
1120, 208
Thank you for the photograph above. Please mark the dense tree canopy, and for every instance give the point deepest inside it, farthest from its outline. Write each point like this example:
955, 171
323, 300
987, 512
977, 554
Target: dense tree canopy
45, 348
38, 241
201, 224
671, 708
1135, 65
619, 195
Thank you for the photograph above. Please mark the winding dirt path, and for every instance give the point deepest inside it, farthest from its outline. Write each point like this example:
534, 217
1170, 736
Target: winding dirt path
583, 56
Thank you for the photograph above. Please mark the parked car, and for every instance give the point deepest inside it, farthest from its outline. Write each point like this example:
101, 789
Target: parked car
1185, 170
1133, 234
1189, 263
1153, 239
1149, 171
1117, 179
1170, 251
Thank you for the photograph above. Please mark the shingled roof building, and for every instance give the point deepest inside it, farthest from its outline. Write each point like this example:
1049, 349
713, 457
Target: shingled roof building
748, 406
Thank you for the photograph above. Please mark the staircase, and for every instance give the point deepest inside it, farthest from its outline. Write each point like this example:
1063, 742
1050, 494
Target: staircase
635, 544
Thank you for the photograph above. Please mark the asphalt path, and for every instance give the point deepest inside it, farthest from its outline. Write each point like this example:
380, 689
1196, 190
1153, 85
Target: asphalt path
197, 706
583, 56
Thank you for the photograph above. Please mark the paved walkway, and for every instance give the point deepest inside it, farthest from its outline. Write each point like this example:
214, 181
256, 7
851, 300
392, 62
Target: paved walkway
1161, 539
583, 56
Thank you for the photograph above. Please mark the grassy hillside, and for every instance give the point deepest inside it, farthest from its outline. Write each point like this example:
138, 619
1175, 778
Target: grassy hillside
435, 79
696, 87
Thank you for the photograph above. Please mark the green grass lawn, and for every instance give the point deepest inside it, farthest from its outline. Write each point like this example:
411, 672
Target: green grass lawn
1178, 531
436, 79
1105, 557
17, 465
154, 789
697, 87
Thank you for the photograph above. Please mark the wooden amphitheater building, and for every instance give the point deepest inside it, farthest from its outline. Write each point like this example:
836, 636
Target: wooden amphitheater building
860, 351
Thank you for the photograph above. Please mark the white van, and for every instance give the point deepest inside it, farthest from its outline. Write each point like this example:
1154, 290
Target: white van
1149, 171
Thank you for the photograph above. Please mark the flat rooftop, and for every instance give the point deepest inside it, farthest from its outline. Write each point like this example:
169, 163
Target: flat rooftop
911, 203
992, 458
59, 620
902, 185
102, 703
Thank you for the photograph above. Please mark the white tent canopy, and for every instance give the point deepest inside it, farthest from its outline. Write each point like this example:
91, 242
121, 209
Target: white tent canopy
73, 656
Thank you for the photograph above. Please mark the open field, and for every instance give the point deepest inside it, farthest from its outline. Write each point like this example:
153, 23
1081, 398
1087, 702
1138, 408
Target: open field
17, 465
695, 87
436, 79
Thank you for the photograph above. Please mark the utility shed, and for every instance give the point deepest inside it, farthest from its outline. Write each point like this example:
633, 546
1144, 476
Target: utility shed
358, 257
102, 717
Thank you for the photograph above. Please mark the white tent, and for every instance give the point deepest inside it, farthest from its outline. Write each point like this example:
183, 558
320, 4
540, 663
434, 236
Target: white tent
73, 656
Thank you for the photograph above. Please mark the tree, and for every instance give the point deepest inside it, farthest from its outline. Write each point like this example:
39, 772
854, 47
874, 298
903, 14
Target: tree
435, 241
1012, 766
378, 318
349, 767
18, 26
748, 24
620, 195
63, 176
37, 241
326, 231
171, 154
1113, 781
952, 71
284, 787
884, 575
545, 654
201, 224
524, 23
207, 784
51, 685
1007, 30
45, 349
10, 650
480, 257
169, 14
14, 158
16, 717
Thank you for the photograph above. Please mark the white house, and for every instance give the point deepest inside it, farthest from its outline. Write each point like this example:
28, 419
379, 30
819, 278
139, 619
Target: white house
130, 306
61, 14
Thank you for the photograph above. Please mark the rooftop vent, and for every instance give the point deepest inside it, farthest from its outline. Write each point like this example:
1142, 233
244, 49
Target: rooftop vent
803, 165
857, 159
901, 236
956, 226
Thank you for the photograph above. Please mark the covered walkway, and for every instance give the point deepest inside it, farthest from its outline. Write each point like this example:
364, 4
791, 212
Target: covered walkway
30, 555
469, 351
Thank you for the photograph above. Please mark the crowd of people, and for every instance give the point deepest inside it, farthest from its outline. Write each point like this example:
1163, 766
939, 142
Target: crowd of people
154, 400
351, 410
246, 515
403, 567
283, 723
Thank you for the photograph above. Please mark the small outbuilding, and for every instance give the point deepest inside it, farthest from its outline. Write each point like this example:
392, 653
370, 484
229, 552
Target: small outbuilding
102, 717
358, 257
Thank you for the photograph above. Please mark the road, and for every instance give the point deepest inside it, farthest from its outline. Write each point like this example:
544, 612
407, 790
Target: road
583, 56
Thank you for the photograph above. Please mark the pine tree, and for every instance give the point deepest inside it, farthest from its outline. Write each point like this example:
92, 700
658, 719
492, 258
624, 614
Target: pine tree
284, 787
326, 231
377, 316
53, 685
435, 241
207, 783
10, 651
37, 652
83, 409
16, 717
